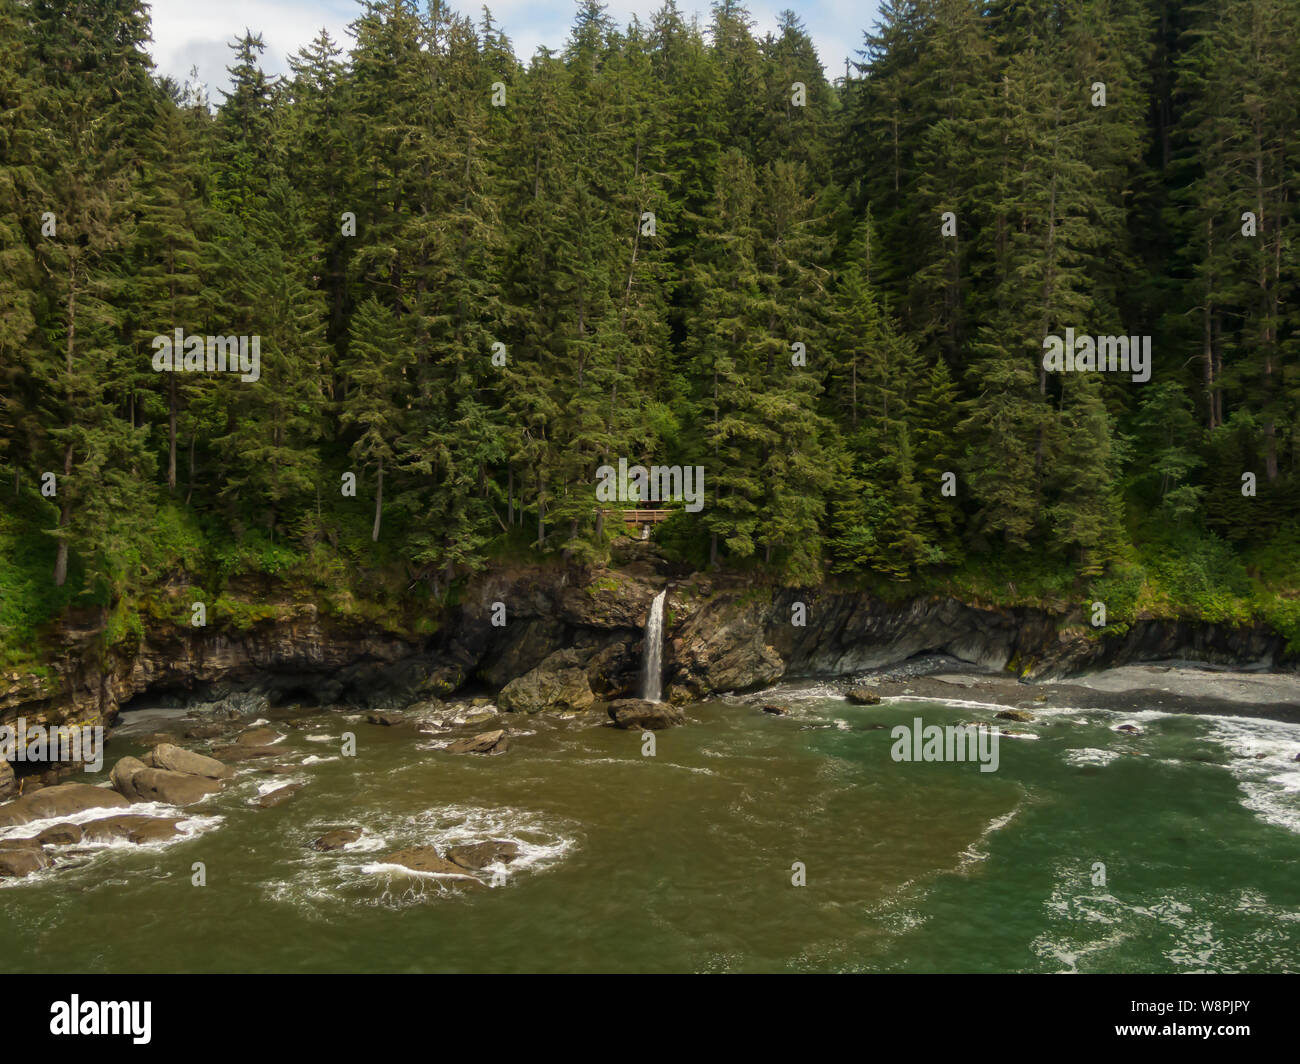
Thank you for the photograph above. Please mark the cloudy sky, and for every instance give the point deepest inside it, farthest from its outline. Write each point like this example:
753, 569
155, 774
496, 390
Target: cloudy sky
186, 35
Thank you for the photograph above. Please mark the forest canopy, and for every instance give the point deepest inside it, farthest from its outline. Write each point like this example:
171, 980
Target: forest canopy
476, 278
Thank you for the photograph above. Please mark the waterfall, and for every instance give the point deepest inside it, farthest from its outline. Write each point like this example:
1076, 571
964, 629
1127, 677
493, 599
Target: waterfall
652, 662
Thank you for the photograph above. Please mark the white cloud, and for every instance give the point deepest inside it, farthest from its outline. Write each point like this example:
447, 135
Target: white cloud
186, 34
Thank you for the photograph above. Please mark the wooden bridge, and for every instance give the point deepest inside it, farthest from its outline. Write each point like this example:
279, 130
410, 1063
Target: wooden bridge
639, 520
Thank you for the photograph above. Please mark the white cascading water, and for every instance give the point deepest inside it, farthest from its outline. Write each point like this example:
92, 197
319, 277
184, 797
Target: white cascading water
652, 661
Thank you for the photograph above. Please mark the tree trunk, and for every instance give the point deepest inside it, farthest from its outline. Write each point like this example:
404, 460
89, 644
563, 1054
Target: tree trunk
379, 500
171, 433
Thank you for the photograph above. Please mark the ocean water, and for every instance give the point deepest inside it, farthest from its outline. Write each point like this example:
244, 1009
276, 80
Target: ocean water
684, 861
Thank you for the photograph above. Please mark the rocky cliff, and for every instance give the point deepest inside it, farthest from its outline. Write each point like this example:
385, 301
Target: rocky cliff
560, 639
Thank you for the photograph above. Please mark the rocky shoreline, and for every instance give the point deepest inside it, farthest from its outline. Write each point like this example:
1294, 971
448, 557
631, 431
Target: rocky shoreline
571, 643
144, 799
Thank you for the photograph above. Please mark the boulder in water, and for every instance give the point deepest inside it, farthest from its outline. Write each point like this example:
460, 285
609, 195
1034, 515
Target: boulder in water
481, 854
135, 829
1020, 716
173, 788
280, 794
491, 742
52, 803
862, 696
22, 862
426, 859
336, 840
639, 713
60, 835
174, 759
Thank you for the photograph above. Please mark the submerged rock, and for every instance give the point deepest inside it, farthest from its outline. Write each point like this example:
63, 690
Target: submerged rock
245, 753
136, 829
638, 713
22, 862
1019, 715
777, 708
492, 742
280, 794
862, 696
426, 859
337, 839
477, 855
258, 737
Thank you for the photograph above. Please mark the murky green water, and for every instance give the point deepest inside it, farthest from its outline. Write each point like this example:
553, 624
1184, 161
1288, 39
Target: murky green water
682, 861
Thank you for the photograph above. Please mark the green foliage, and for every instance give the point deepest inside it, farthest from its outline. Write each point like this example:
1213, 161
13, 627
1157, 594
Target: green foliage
834, 305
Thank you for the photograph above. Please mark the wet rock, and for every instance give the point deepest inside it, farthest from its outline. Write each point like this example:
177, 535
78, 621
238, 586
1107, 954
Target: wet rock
135, 829
638, 713
204, 731
8, 782
174, 759
173, 788
60, 835
481, 854
123, 772
258, 737
777, 708
55, 803
278, 770
20, 844
280, 794
1020, 716
491, 742
862, 696
559, 683
386, 719
245, 753
1129, 729
336, 840
425, 859
17, 863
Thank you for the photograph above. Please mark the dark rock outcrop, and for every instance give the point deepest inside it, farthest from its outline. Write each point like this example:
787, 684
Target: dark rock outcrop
558, 684
638, 713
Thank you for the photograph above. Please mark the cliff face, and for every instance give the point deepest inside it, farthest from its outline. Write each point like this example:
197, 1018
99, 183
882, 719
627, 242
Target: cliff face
735, 640
549, 628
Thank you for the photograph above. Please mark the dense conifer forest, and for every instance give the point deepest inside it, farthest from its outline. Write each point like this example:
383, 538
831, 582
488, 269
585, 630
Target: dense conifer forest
475, 277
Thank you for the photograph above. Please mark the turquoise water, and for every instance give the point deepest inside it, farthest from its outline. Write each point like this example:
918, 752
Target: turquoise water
683, 861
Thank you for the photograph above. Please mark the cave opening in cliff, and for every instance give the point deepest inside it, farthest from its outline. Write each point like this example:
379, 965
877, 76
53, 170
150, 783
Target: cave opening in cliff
293, 696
